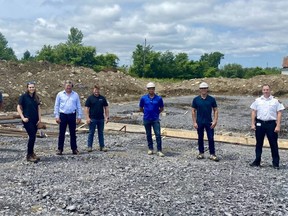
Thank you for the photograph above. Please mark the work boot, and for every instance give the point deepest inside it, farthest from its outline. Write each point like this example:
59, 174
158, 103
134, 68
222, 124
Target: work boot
150, 152
160, 154
214, 158
103, 149
36, 157
89, 149
75, 152
200, 156
30, 158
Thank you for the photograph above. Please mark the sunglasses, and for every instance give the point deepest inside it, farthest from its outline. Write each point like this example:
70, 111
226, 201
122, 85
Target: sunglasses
203, 88
31, 82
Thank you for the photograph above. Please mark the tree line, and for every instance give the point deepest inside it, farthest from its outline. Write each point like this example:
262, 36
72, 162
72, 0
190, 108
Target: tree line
145, 61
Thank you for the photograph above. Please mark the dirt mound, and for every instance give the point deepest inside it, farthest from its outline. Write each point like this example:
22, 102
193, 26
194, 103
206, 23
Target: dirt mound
228, 86
116, 86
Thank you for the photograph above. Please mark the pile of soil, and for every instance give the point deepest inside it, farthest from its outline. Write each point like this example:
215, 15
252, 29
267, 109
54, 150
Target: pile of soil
116, 86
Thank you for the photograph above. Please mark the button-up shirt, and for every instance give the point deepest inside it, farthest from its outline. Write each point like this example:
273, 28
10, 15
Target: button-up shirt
67, 104
267, 108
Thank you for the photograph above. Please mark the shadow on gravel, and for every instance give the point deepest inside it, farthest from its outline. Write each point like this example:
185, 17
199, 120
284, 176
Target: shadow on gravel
171, 154
9, 150
229, 157
55, 158
8, 160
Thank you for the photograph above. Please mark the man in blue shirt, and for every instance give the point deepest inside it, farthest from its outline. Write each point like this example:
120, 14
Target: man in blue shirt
202, 107
67, 108
152, 105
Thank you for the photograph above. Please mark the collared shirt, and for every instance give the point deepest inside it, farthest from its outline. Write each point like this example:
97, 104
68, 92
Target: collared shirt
96, 106
204, 108
151, 107
267, 108
67, 103
29, 107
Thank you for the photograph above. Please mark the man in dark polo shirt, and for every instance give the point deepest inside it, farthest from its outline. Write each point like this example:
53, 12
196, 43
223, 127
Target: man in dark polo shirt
202, 107
95, 107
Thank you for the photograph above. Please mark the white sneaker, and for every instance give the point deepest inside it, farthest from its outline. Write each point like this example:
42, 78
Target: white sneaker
150, 152
160, 154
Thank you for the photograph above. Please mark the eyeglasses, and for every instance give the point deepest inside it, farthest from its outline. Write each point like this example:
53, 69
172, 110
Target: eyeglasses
31, 82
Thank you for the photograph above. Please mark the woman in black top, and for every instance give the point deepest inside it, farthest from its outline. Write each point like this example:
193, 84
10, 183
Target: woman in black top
29, 110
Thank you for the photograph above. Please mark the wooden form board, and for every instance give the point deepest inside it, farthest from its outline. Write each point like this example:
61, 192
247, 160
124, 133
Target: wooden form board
180, 133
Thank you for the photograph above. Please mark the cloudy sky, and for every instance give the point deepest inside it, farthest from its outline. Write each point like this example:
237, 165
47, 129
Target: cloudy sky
248, 32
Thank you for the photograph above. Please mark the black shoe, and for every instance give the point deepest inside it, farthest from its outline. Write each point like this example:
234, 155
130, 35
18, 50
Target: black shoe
254, 164
275, 167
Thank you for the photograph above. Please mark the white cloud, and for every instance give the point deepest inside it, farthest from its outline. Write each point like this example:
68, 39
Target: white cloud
256, 28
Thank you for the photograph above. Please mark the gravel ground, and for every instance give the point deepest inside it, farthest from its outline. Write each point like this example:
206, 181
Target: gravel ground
127, 181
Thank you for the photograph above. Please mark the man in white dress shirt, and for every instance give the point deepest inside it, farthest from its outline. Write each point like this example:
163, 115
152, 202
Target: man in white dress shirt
266, 120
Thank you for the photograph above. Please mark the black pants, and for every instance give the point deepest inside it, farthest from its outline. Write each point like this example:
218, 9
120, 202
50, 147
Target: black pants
31, 128
70, 120
262, 129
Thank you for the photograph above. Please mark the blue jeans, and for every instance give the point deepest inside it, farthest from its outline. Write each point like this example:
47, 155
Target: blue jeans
210, 136
100, 128
156, 127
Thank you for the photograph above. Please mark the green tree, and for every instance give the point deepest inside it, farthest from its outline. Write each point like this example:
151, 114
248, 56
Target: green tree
27, 56
75, 37
47, 53
106, 61
141, 56
232, 71
212, 59
6, 53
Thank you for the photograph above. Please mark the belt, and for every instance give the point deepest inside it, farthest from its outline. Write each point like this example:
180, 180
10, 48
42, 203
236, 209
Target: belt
67, 113
266, 122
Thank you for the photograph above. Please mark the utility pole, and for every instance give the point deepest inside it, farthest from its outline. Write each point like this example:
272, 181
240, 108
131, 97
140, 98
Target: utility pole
144, 54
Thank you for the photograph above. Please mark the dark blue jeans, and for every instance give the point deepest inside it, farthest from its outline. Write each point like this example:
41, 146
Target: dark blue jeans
210, 136
31, 129
70, 120
261, 131
100, 129
156, 127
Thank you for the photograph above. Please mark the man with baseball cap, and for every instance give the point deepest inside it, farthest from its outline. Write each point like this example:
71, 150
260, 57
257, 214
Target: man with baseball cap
202, 107
152, 105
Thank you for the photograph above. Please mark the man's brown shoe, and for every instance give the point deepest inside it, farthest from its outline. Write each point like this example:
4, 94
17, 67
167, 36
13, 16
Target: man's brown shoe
35, 156
30, 158
75, 152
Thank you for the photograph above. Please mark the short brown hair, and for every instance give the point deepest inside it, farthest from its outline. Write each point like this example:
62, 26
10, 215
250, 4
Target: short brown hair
97, 87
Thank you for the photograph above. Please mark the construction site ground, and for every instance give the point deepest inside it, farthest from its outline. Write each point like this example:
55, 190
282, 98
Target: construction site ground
125, 180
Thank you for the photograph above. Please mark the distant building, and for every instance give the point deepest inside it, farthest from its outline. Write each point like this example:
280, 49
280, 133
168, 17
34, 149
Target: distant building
284, 70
